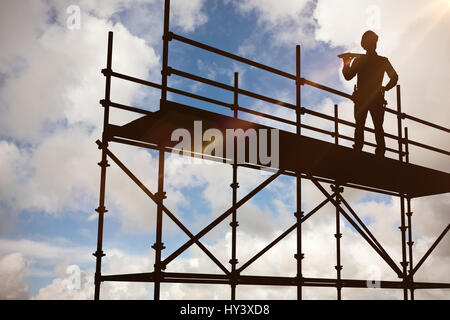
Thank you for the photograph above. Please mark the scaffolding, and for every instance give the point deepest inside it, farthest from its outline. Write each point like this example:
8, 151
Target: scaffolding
407, 181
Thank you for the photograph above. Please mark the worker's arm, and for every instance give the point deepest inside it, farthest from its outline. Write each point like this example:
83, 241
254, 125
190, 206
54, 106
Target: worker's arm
393, 76
349, 69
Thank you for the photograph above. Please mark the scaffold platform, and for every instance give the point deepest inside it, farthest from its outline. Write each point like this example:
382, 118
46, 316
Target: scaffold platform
299, 154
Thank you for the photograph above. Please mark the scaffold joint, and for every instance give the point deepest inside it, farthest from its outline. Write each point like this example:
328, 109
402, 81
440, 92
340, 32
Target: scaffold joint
158, 246
404, 263
168, 36
234, 185
302, 256
234, 277
97, 278
106, 72
300, 81
168, 71
101, 145
104, 102
302, 214
158, 267
99, 254
104, 164
336, 188
101, 210
234, 224
234, 107
160, 196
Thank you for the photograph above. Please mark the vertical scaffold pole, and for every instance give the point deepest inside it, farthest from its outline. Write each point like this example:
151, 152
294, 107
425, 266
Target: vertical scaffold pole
402, 227
336, 124
158, 246
235, 185
103, 165
338, 235
409, 215
165, 56
299, 213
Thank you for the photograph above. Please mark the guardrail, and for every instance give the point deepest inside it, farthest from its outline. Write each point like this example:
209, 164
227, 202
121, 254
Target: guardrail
300, 81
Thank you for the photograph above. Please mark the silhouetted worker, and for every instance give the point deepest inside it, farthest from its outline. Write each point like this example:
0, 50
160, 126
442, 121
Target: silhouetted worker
369, 91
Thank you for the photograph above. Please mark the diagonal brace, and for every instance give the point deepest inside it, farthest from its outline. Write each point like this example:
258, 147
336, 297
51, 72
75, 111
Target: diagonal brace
425, 256
361, 223
350, 220
220, 218
165, 209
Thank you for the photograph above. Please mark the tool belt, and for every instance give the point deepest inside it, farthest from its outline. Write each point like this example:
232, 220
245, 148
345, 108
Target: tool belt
374, 98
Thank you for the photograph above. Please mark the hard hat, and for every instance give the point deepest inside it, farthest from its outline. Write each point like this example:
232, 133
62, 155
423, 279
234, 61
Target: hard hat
369, 37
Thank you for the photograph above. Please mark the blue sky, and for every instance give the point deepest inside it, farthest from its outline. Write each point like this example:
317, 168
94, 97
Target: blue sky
50, 179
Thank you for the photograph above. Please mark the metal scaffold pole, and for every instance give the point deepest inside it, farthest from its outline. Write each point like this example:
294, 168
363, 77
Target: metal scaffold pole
403, 227
165, 55
299, 213
235, 185
338, 235
103, 165
409, 216
158, 246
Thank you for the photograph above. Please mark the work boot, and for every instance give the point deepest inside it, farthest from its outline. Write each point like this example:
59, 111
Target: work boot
357, 147
379, 152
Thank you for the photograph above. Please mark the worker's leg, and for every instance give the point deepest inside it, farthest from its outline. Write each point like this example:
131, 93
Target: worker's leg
360, 113
377, 114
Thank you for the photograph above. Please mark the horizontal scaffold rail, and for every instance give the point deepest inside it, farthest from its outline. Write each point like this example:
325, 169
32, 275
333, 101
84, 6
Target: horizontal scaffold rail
280, 103
202, 278
303, 81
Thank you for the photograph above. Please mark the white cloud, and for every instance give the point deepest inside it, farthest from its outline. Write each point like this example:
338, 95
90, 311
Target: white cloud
188, 14
12, 284
63, 288
60, 71
286, 21
30, 257
62, 75
50, 252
